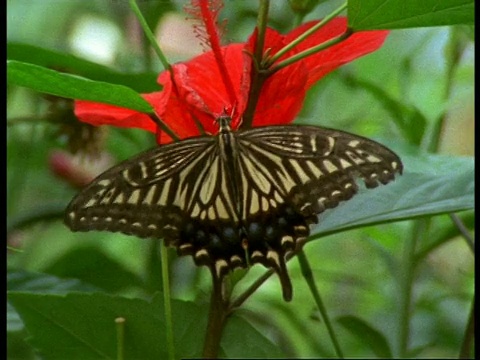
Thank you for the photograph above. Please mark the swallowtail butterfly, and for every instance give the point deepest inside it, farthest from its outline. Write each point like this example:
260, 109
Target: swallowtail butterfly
236, 198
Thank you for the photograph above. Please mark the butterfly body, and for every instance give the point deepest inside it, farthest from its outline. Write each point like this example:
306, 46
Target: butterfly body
237, 198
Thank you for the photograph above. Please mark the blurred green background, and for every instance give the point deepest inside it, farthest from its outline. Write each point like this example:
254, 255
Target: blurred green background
358, 272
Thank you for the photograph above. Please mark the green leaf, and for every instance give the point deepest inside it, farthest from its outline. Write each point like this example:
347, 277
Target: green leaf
367, 334
73, 87
143, 82
38, 282
82, 326
398, 14
241, 340
86, 262
440, 236
429, 186
41, 283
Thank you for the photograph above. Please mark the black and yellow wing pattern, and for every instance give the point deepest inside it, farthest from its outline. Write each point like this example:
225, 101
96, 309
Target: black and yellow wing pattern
236, 198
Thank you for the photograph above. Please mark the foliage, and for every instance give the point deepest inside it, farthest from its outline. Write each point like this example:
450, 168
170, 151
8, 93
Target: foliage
392, 265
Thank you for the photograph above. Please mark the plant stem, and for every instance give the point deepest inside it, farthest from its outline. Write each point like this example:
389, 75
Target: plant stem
120, 326
308, 276
239, 300
164, 127
258, 78
307, 33
149, 35
469, 336
261, 28
406, 283
216, 320
311, 51
166, 301
163, 59
464, 231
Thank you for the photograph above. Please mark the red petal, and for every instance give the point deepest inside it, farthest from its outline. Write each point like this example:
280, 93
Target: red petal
103, 114
319, 64
201, 92
282, 94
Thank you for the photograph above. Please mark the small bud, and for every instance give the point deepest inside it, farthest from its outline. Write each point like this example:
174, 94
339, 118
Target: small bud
78, 171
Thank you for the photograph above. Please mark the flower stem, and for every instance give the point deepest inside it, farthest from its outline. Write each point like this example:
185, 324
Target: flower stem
163, 59
308, 276
311, 51
463, 231
120, 326
262, 28
307, 33
149, 34
258, 76
407, 276
166, 302
216, 320
239, 300
163, 126
469, 336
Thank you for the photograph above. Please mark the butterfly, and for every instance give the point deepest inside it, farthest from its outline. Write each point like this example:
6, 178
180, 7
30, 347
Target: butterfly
235, 198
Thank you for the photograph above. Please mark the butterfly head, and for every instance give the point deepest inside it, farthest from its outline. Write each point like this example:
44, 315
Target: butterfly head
224, 122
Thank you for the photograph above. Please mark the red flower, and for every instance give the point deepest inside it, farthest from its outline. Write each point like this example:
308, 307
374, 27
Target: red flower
200, 91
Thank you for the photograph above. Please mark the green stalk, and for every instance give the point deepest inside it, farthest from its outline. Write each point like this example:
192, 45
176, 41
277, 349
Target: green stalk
120, 327
216, 320
163, 59
469, 335
407, 277
311, 51
149, 34
463, 231
308, 276
262, 19
258, 78
166, 301
307, 33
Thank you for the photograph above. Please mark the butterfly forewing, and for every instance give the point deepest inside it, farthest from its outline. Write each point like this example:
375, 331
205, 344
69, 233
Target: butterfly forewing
235, 198
137, 196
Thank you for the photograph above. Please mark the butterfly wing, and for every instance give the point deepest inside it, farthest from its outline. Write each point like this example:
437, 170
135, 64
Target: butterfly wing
186, 193
180, 192
318, 162
147, 195
290, 174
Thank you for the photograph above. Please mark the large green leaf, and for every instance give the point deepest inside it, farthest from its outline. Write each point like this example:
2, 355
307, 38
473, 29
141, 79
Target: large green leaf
368, 335
42, 283
241, 340
430, 185
397, 14
143, 82
73, 87
86, 262
82, 326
